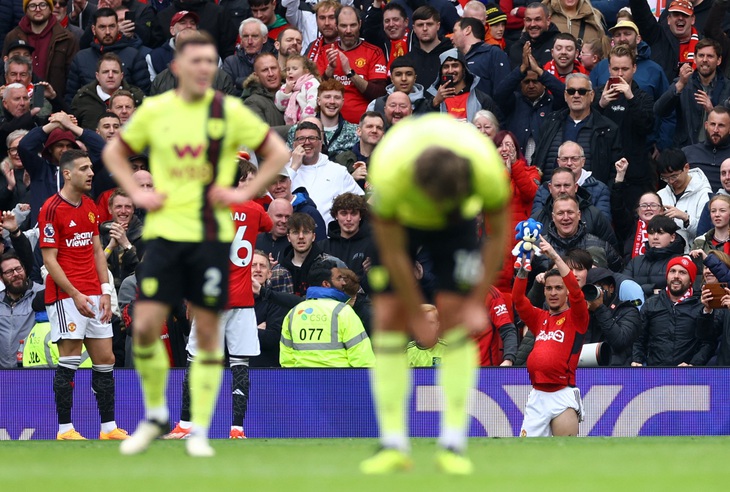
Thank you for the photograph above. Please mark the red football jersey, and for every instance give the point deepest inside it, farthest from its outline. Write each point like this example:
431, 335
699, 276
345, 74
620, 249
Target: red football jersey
558, 337
249, 219
70, 229
490, 341
366, 60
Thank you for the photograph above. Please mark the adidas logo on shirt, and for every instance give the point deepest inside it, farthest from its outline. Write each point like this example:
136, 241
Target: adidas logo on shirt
72, 224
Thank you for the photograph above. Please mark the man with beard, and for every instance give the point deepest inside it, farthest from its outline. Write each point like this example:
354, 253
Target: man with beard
705, 223
320, 39
54, 46
632, 109
539, 32
694, 93
358, 65
669, 320
288, 42
16, 312
486, 61
708, 155
322, 178
107, 39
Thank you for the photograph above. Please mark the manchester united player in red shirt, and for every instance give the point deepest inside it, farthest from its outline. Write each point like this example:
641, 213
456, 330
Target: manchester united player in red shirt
238, 321
554, 407
360, 66
78, 294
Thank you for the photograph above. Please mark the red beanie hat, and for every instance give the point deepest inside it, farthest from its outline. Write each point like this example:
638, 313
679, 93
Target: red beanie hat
686, 263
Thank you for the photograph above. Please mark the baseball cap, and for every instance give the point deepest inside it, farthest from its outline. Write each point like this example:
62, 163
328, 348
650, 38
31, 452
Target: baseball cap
182, 14
495, 15
19, 43
625, 23
682, 6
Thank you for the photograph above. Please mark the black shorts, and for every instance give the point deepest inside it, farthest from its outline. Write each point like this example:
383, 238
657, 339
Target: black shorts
172, 271
454, 253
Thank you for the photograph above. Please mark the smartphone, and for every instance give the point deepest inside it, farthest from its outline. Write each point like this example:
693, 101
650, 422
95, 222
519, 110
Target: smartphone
38, 98
129, 15
613, 81
447, 79
718, 291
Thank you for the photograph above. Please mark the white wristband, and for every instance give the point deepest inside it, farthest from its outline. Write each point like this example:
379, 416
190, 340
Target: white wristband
106, 289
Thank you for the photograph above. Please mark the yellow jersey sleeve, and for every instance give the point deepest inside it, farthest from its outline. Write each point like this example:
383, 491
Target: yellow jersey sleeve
139, 130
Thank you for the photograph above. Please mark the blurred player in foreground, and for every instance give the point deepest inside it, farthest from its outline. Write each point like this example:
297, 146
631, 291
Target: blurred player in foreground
428, 195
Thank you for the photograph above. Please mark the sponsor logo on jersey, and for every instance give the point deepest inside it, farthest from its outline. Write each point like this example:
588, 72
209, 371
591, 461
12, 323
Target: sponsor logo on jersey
72, 327
48, 231
193, 152
560, 321
360, 62
72, 223
500, 310
380, 68
79, 240
556, 335
92, 217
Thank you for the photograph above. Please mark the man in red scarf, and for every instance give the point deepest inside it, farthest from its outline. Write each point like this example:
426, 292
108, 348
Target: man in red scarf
53, 46
387, 28
565, 59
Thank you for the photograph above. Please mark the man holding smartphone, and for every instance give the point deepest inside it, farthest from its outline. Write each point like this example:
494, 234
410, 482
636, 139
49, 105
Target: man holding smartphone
455, 91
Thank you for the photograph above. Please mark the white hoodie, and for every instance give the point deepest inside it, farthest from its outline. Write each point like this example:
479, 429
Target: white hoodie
694, 198
324, 181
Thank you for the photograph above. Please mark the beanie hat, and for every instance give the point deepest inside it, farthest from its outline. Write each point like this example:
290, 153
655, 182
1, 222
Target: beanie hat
26, 2
686, 263
495, 15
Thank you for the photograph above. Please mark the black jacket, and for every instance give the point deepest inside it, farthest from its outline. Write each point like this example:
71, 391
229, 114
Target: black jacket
650, 269
581, 240
165, 81
87, 106
524, 118
213, 19
266, 243
668, 333
304, 204
270, 308
595, 221
604, 147
635, 119
123, 262
541, 47
664, 46
708, 157
715, 327
427, 65
353, 251
239, 66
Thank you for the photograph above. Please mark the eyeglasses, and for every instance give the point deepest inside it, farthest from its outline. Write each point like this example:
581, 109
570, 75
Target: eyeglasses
13, 151
671, 178
581, 91
649, 206
307, 139
9, 272
575, 159
38, 6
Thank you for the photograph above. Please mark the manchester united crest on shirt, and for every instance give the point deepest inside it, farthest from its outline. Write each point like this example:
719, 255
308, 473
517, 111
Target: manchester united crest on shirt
92, 217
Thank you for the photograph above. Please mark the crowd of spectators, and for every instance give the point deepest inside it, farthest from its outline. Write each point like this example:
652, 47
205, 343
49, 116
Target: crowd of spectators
611, 119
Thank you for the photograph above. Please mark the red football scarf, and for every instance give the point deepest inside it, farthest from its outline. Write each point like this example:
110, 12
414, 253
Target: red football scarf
551, 68
399, 47
640, 239
684, 297
687, 50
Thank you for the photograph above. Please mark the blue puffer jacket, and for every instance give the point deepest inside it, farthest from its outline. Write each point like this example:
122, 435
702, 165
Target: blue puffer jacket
11, 11
83, 66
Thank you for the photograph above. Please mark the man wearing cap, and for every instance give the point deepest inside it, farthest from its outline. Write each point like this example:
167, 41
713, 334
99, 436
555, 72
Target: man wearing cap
669, 321
53, 46
672, 43
387, 28
694, 93
41, 149
485, 61
107, 39
403, 78
159, 58
215, 20
456, 92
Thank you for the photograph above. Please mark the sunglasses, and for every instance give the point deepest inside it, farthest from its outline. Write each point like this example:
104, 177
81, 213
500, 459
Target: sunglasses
582, 92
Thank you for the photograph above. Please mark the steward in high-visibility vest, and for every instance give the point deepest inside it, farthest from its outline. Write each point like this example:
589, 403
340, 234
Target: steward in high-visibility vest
40, 351
323, 330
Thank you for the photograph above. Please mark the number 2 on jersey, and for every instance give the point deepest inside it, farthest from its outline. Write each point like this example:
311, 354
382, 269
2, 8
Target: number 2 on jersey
241, 250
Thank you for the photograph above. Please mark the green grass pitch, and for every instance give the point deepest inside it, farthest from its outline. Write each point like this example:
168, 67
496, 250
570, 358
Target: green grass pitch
323, 465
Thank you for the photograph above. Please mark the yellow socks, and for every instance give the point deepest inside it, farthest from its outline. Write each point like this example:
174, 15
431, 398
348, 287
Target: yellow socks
152, 366
391, 387
206, 372
457, 376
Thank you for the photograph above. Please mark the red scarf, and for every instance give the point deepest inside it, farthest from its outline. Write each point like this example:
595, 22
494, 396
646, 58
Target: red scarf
551, 68
687, 50
64, 22
684, 297
640, 239
399, 47
725, 245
